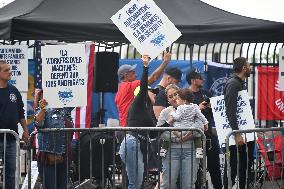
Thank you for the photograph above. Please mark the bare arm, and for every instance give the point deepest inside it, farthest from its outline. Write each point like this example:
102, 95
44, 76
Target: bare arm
41, 114
159, 71
25, 135
157, 110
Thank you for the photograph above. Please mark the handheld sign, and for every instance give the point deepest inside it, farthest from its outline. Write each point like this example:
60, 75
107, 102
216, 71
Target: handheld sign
244, 117
146, 27
16, 56
64, 75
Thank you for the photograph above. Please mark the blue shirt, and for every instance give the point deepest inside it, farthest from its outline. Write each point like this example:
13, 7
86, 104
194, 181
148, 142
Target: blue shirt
54, 142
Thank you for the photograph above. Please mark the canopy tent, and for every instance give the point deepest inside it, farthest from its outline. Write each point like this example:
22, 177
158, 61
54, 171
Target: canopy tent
90, 20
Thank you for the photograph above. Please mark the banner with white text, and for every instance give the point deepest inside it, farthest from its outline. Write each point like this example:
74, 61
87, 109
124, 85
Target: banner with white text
145, 25
244, 117
64, 76
16, 56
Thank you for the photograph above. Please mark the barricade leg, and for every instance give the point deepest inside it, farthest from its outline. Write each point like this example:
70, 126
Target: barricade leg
9, 163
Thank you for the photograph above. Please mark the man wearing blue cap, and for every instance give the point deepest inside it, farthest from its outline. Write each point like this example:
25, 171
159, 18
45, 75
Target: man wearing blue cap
125, 94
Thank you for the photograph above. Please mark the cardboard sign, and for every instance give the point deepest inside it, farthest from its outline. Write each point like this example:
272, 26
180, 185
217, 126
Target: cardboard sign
146, 27
244, 117
16, 56
281, 70
64, 75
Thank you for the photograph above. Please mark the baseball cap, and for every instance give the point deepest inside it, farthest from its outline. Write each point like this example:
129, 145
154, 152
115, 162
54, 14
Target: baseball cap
174, 72
193, 74
124, 69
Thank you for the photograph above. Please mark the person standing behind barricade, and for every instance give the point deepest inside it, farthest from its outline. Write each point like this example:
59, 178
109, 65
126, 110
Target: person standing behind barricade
188, 114
133, 146
201, 97
125, 94
172, 75
180, 154
54, 154
11, 113
235, 84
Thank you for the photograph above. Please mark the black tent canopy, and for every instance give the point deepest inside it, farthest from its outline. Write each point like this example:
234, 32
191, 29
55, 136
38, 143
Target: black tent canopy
90, 20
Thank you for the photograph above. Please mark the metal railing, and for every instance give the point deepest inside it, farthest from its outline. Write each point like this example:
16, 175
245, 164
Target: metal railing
15, 136
96, 161
261, 171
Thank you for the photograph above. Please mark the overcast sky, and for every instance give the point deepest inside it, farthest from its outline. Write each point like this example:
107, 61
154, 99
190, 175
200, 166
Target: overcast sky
264, 9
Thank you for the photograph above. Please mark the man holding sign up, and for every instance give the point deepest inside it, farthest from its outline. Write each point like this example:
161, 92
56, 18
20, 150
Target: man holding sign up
232, 89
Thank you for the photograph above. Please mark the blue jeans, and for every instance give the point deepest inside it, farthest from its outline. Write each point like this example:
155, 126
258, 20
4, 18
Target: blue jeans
10, 162
132, 157
53, 177
183, 162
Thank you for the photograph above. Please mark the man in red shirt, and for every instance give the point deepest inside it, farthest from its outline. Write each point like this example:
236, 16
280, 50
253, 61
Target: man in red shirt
125, 94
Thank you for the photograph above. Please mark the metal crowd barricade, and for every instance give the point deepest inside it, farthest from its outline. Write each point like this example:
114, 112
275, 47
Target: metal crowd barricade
9, 132
267, 168
96, 162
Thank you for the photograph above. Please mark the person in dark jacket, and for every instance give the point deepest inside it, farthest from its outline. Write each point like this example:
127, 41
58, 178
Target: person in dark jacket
132, 147
11, 113
201, 98
235, 84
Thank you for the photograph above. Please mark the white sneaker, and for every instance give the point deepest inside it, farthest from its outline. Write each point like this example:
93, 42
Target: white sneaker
163, 152
199, 153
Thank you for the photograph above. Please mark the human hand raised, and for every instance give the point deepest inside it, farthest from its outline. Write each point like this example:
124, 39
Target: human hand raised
145, 59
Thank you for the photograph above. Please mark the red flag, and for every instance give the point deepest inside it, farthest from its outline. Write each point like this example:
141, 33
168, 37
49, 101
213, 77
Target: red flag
270, 104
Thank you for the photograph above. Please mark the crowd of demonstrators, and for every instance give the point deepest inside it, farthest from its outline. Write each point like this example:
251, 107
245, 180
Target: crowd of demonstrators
201, 97
125, 94
134, 146
188, 114
54, 155
172, 75
11, 113
180, 155
236, 83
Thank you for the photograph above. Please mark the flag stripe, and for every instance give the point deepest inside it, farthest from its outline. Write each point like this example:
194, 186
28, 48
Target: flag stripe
90, 85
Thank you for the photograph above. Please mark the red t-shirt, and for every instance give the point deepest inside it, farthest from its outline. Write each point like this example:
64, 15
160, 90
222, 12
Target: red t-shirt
124, 98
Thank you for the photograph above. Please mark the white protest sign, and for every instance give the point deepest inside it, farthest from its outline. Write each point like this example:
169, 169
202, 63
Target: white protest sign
24, 98
16, 56
34, 175
145, 25
64, 76
244, 117
281, 70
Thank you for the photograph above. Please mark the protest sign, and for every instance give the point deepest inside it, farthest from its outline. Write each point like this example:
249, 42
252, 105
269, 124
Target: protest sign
145, 25
64, 75
244, 117
16, 56
281, 70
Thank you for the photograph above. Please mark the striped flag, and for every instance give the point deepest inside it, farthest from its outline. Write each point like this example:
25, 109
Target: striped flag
82, 115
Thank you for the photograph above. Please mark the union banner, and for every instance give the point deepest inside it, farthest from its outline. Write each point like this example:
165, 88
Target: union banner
270, 103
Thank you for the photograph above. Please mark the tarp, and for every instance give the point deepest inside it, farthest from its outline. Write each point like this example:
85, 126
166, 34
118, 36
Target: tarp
73, 20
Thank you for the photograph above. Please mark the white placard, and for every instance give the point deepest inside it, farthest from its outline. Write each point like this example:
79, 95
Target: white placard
281, 69
145, 25
244, 117
64, 75
34, 175
16, 56
24, 98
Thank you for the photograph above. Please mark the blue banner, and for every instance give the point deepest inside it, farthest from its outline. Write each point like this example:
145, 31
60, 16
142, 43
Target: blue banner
216, 76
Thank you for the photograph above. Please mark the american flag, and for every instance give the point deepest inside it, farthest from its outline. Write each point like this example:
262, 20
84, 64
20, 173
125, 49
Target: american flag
38, 66
82, 115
